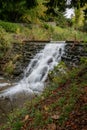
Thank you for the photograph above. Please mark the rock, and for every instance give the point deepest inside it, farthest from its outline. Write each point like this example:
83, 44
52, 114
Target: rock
72, 55
26, 51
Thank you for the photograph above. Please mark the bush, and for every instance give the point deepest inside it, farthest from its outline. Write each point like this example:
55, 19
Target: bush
46, 26
10, 27
85, 26
5, 42
61, 21
9, 67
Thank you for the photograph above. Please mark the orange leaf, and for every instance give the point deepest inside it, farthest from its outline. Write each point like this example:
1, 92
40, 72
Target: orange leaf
26, 118
55, 117
46, 108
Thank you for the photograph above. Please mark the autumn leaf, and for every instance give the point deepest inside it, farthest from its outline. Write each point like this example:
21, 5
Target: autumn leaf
51, 126
46, 108
42, 98
55, 117
26, 118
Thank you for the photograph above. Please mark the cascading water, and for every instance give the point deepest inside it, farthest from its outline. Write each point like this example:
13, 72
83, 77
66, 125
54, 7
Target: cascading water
36, 73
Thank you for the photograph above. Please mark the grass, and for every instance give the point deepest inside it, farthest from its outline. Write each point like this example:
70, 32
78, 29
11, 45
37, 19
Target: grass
54, 106
10, 27
20, 32
64, 90
69, 34
17, 33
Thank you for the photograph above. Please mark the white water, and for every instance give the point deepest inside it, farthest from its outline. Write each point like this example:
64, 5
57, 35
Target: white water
4, 84
36, 73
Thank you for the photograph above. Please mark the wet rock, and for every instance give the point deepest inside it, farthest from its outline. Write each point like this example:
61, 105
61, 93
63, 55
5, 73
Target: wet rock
43, 72
26, 51
72, 55
50, 61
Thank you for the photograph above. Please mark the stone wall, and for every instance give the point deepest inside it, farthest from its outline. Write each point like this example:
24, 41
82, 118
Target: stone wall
20, 55
73, 53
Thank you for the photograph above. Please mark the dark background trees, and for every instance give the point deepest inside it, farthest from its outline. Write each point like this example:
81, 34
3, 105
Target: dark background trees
54, 5
12, 10
20, 10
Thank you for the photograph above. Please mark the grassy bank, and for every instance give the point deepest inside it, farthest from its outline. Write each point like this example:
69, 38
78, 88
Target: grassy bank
43, 31
17, 33
63, 104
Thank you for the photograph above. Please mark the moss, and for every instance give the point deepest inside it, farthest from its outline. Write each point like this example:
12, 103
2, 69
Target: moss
9, 68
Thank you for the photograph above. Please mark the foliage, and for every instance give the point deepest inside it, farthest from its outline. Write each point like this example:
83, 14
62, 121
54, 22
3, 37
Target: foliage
22, 10
10, 27
77, 3
11, 10
17, 125
36, 11
13, 32
61, 21
31, 3
85, 26
80, 8
68, 34
53, 6
5, 42
56, 104
78, 19
33, 15
9, 67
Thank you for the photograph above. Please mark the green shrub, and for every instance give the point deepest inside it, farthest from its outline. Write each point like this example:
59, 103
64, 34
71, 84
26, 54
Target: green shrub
5, 42
46, 26
85, 26
17, 125
10, 27
9, 67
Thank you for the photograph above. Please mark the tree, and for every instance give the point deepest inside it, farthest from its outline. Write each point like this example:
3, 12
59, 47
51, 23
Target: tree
31, 3
78, 19
77, 3
34, 13
13, 10
54, 5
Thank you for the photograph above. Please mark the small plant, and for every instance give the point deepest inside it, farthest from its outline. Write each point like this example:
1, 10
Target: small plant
46, 26
38, 118
61, 101
10, 27
5, 43
17, 125
9, 67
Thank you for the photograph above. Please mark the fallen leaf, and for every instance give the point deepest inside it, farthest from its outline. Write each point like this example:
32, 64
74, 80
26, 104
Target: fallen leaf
46, 108
55, 117
26, 118
42, 98
51, 126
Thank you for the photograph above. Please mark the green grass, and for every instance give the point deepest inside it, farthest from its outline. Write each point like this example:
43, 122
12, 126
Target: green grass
66, 99
10, 27
42, 32
69, 34
63, 102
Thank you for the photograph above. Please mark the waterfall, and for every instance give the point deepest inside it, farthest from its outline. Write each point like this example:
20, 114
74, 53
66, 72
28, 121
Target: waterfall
37, 71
